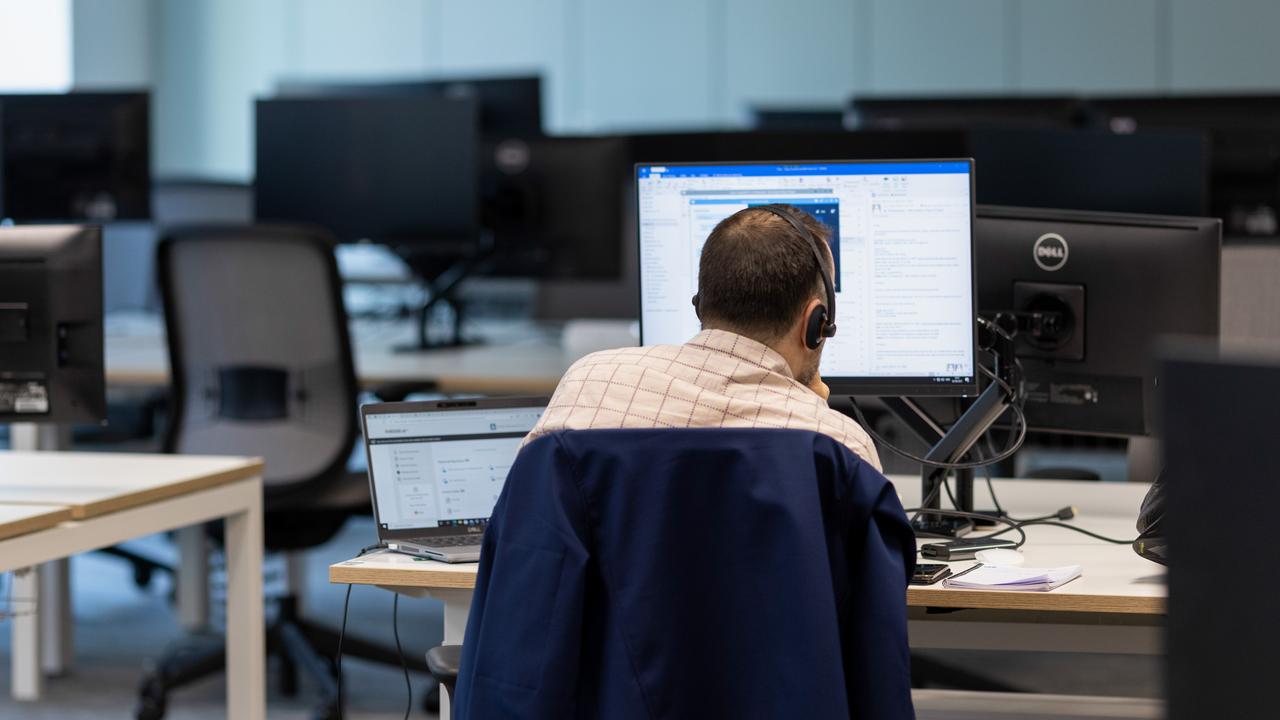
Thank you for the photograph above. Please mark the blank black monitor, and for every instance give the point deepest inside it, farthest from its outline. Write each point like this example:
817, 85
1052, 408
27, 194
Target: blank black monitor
1221, 640
1245, 138
76, 156
798, 119
400, 171
51, 366
508, 105
554, 205
932, 113
1160, 172
1093, 293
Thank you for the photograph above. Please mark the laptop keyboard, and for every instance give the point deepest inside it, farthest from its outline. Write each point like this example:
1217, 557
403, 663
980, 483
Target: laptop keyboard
453, 541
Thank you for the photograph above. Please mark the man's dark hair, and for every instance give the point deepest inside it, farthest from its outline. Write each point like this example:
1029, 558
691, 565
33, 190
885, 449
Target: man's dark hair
757, 273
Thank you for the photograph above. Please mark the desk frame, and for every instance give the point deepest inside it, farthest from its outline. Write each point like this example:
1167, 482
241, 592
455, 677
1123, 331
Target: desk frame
238, 503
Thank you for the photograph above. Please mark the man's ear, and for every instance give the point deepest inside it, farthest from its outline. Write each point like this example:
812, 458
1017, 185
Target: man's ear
801, 327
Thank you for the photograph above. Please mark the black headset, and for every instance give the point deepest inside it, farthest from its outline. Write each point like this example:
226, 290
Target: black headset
822, 321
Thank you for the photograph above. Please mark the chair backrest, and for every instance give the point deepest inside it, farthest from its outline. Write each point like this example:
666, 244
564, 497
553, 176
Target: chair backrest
259, 354
690, 573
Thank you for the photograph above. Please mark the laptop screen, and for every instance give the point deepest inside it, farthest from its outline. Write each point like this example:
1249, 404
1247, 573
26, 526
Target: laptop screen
441, 468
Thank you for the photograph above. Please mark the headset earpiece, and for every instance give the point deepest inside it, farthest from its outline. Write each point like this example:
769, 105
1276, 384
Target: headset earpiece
817, 329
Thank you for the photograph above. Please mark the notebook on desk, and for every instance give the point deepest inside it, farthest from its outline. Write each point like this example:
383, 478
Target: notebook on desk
436, 469
1004, 577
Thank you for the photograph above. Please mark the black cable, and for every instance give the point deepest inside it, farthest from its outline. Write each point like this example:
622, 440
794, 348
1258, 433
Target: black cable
395, 628
341, 634
346, 604
1055, 523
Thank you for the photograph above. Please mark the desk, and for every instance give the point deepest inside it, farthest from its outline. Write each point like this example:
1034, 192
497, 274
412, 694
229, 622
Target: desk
77, 502
517, 360
1117, 606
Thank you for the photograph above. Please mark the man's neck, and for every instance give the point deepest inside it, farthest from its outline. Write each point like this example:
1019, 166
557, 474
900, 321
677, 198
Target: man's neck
795, 359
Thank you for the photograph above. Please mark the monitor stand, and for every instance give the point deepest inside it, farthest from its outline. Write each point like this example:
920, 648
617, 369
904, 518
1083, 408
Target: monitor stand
953, 444
443, 288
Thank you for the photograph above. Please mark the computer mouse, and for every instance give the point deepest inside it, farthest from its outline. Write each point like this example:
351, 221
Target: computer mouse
1000, 556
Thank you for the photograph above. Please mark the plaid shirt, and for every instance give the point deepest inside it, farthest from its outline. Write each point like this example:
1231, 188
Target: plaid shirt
717, 379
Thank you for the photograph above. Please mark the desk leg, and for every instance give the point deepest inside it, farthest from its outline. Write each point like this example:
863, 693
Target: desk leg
193, 578
246, 639
57, 624
27, 678
457, 607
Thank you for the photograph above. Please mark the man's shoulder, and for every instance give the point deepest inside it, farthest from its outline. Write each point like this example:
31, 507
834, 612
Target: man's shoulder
630, 355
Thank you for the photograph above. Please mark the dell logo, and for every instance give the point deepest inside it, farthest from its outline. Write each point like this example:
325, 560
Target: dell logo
1050, 252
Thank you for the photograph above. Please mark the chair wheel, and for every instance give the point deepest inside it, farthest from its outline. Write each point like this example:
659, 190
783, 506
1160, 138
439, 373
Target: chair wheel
431, 700
328, 712
141, 576
149, 708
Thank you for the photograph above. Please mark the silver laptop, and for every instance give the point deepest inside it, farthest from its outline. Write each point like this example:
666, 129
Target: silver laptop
436, 469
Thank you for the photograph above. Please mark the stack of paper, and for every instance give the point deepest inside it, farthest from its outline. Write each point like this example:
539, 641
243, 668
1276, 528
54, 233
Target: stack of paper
1001, 577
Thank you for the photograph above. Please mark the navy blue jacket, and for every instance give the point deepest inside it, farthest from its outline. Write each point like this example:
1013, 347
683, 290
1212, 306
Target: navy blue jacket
690, 574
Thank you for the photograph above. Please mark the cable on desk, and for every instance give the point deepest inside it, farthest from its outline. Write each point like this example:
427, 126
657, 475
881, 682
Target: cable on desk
341, 634
395, 629
1055, 523
1013, 526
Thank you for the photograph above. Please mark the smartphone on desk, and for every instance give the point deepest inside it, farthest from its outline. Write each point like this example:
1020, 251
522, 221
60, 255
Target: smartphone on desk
929, 573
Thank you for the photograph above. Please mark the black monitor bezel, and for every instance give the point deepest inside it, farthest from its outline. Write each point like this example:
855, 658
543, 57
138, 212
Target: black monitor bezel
843, 385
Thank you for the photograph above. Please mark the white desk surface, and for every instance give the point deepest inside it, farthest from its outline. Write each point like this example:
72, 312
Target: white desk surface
92, 484
516, 360
22, 519
1115, 579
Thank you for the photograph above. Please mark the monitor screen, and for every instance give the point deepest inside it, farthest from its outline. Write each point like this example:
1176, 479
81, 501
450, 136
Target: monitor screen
393, 170
435, 469
902, 239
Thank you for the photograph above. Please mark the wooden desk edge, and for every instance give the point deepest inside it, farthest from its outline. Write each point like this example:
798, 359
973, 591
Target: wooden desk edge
427, 579
35, 523
252, 468
1053, 601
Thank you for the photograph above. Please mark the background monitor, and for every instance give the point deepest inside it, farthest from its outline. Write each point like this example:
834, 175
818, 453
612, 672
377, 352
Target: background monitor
400, 171
555, 205
51, 367
908, 113
78, 156
508, 105
1106, 287
1162, 172
904, 301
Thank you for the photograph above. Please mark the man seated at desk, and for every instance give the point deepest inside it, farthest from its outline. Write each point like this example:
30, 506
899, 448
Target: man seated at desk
755, 363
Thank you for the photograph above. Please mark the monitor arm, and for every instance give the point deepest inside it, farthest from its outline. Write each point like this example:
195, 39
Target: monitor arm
953, 444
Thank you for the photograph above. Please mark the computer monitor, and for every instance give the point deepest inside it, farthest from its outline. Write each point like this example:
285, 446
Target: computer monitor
555, 205
1093, 293
700, 147
396, 170
797, 119
78, 156
509, 106
903, 245
1161, 172
51, 367
924, 113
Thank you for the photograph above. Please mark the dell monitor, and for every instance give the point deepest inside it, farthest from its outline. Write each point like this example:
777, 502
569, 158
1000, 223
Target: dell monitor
399, 171
51, 366
931, 113
1092, 294
901, 238
73, 157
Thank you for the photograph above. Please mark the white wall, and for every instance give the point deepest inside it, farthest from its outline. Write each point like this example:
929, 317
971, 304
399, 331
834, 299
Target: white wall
610, 64
35, 45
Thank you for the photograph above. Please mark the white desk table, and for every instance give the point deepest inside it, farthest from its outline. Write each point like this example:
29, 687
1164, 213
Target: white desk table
78, 502
515, 361
1117, 606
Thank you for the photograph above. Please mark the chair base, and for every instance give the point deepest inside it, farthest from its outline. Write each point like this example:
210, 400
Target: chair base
299, 645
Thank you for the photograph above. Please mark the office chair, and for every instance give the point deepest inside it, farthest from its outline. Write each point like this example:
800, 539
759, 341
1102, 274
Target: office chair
260, 364
689, 573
